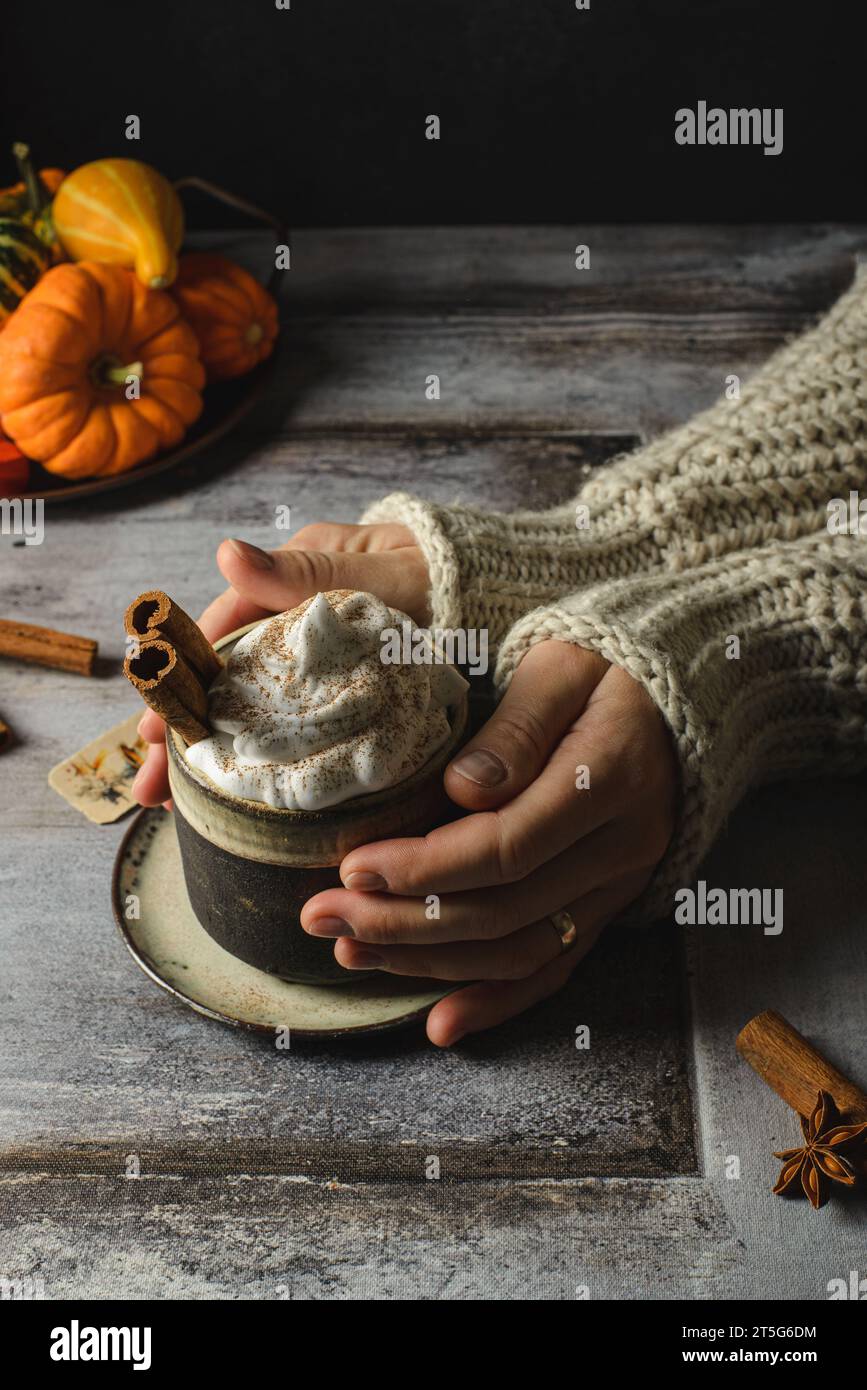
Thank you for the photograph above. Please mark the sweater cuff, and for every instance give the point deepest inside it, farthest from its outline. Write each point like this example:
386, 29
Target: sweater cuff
488, 568
425, 520
788, 695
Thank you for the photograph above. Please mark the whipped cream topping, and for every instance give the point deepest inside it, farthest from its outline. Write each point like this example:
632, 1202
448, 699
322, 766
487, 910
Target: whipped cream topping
307, 714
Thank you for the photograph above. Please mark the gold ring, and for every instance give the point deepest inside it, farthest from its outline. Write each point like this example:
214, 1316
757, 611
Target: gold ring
565, 927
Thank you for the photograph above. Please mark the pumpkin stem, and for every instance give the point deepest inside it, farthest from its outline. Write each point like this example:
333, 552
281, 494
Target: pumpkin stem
109, 372
37, 196
254, 334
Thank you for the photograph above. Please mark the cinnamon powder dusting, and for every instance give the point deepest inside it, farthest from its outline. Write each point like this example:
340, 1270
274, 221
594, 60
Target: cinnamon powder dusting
308, 714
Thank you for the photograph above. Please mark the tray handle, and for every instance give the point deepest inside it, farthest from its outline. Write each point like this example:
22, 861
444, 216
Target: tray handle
232, 200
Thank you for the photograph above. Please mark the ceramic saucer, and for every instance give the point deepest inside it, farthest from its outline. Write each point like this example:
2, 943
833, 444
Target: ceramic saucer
171, 947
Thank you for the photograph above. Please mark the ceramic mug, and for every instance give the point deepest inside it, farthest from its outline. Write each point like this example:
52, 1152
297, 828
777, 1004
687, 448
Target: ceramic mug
249, 868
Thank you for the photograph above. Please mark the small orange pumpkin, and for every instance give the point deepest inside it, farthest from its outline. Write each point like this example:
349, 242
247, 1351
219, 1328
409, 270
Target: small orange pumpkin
97, 373
232, 315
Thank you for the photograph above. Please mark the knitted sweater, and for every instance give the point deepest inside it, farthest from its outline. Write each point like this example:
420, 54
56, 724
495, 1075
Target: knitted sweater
718, 529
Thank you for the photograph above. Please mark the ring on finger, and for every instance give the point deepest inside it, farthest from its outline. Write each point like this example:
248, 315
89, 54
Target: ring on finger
566, 928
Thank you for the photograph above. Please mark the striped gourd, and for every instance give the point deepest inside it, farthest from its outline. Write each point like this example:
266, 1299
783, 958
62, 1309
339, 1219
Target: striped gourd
24, 259
122, 212
30, 200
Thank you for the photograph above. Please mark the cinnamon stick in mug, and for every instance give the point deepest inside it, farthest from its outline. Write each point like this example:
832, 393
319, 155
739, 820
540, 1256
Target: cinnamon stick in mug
171, 687
154, 615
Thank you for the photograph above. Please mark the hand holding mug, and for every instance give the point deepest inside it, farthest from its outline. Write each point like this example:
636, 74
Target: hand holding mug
537, 840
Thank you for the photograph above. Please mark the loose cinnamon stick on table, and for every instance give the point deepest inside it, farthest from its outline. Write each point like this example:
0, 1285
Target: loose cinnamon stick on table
154, 615
61, 650
171, 687
795, 1070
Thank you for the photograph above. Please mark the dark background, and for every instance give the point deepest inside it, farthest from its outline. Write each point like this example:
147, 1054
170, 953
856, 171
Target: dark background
548, 114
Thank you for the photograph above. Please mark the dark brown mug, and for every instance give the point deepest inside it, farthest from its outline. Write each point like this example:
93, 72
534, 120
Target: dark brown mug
249, 867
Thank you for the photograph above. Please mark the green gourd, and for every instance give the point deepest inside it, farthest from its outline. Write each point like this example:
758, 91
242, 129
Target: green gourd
24, 259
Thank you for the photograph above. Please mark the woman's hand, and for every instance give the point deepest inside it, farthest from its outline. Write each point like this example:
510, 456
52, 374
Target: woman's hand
383, 559
573, 784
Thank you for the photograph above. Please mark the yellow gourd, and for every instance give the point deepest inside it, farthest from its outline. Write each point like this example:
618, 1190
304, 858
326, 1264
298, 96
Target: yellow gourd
122, 212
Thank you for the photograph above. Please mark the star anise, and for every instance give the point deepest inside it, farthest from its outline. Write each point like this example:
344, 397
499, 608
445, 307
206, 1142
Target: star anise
824, 1157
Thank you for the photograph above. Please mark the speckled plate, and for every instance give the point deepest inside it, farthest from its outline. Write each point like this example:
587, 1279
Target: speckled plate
172, 948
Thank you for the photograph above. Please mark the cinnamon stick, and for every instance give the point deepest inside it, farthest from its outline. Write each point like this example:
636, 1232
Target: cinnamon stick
795, 1069
154, 615
43, 645
5, 735
171, 687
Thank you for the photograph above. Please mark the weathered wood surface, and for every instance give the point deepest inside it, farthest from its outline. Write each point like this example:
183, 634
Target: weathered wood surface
653, 269
519, 336
283, 1238
138, 1072
301, 1170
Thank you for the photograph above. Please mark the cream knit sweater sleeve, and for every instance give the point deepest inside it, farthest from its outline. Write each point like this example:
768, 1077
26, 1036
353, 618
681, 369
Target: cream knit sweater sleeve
717, 531
743, 474
788, 697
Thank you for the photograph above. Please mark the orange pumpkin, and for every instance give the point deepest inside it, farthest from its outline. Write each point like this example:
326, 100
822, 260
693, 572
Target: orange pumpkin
14, 468
122, 212
232, 315
96, 372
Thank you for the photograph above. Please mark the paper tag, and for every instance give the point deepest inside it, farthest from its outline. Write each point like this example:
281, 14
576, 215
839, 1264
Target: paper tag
97, 780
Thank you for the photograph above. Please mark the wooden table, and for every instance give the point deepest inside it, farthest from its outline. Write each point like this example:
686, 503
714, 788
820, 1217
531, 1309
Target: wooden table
267, 1174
